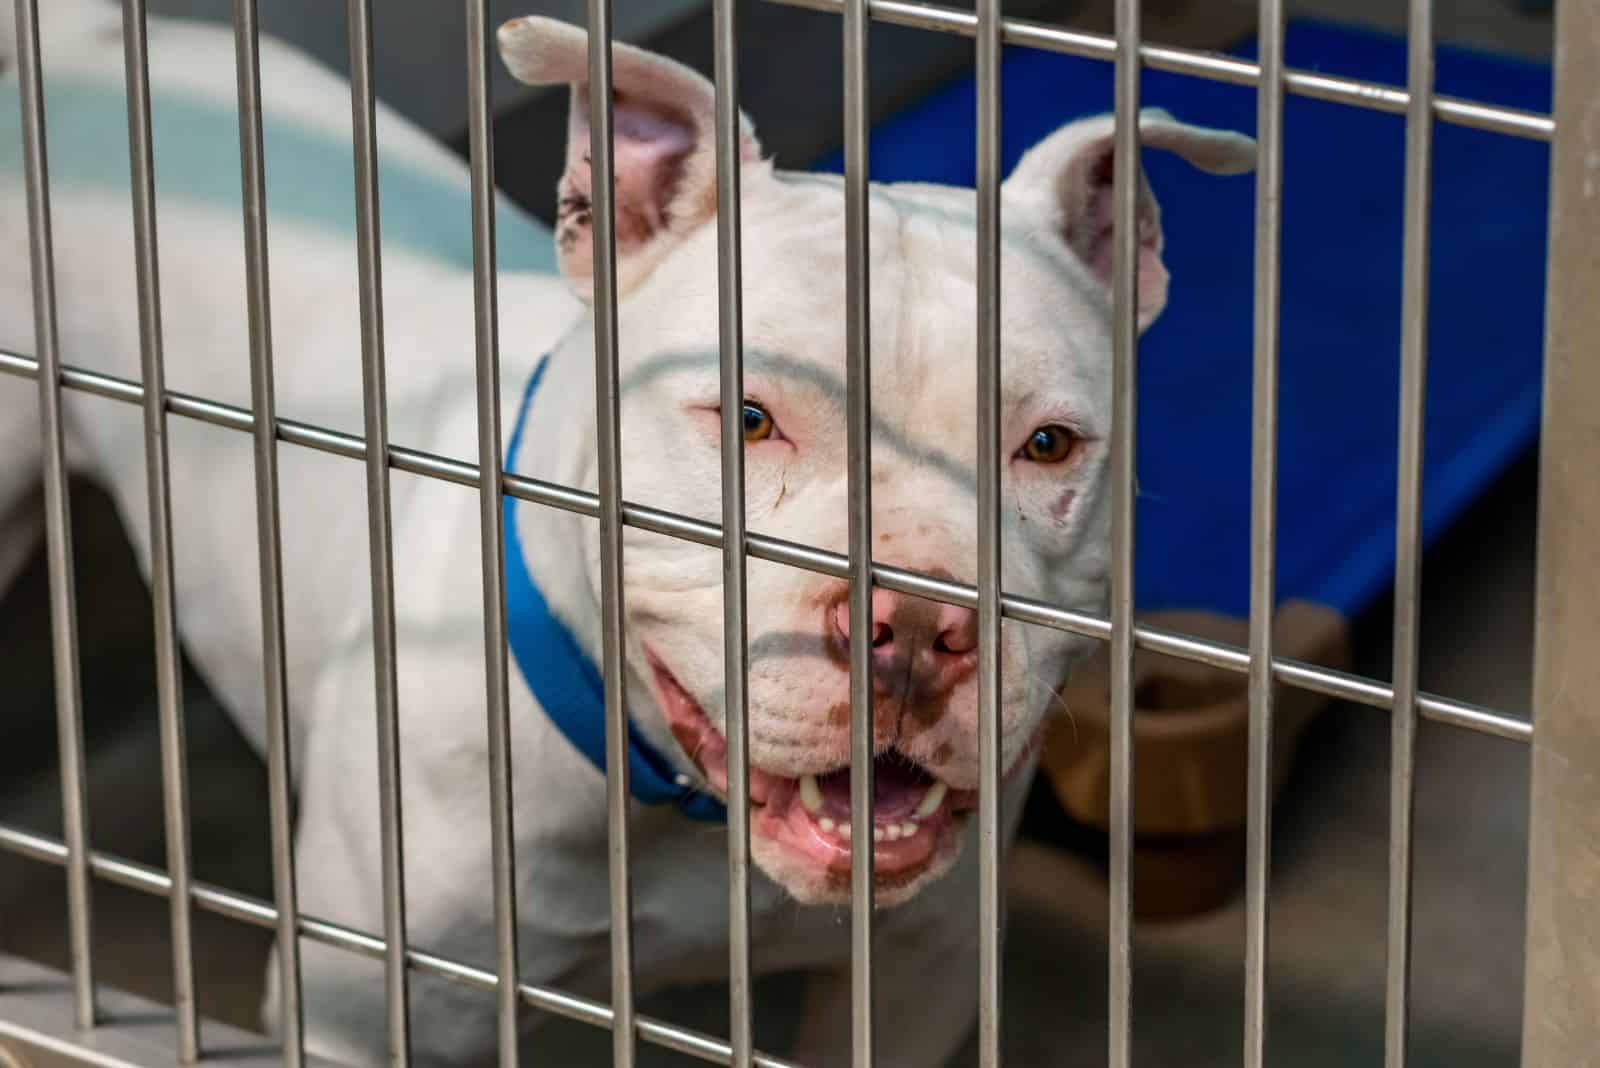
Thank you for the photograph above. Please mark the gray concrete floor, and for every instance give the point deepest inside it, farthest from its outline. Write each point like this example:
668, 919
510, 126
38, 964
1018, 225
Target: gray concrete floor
1330, 836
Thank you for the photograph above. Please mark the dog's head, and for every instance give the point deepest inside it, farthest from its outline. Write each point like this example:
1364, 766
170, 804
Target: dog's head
1055, 426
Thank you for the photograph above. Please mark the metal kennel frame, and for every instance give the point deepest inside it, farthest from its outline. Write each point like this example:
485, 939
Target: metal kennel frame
1562, 996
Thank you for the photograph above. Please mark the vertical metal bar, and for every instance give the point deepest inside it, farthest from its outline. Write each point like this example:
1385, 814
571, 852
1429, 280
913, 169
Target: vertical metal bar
735, 650
269, 535
990, 903
380, 535
1561, 1016
490, 503
169, 682
1124, 388
609, 432
58, 519
858, 371
1408, 523
1263, 526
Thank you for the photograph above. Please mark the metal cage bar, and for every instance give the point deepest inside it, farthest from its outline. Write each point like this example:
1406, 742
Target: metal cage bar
1210, 66
608, 430
1263, 527
858, 373
1124, 408
990, 900
735, 647
1342, 685
269, 533
58, 519
1408, 525
1561, 999
380, 535
486, 312
169, 681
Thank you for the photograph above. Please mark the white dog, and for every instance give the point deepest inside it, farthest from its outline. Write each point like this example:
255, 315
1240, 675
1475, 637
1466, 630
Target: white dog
1056, 256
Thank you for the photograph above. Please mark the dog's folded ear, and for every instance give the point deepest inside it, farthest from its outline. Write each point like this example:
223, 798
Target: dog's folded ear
664, 147
1066, 180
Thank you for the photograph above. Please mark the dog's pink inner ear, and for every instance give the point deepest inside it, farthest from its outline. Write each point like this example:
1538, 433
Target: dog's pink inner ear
1068, 181
650, 148
1088, 199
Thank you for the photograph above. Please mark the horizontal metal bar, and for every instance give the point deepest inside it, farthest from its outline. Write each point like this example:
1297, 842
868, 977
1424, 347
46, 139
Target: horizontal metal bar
1341, 685
259, 913
1211, 66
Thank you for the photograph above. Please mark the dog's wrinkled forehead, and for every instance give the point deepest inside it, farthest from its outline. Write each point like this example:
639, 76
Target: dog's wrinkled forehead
922, 257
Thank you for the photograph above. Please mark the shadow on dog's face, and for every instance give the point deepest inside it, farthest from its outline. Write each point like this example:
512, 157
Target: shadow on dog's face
1055, 424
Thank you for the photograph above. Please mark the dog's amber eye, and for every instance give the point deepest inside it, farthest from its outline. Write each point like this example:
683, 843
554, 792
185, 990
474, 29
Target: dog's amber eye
757, 422
1049, 444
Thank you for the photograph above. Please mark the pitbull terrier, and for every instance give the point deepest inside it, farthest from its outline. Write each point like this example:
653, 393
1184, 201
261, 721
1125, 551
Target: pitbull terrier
1056, 254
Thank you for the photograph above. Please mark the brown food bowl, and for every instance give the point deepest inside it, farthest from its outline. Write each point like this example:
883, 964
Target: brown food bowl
1191, 750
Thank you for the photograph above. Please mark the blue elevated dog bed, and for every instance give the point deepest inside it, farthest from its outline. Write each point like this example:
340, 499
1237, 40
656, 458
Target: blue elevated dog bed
1341, 284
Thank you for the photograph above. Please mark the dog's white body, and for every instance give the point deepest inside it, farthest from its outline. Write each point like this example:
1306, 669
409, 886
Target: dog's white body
679, 868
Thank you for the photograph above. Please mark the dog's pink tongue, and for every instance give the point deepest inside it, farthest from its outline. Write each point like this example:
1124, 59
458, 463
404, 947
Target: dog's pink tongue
897, 789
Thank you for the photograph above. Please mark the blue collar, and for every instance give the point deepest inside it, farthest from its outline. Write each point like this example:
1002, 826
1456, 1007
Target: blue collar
563, 678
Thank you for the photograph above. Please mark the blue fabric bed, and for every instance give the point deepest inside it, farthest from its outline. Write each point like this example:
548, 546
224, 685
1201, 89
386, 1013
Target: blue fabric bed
1341, 285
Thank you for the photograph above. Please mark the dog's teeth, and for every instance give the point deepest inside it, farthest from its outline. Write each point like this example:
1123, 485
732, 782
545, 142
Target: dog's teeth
877, 834
931, 801
907, 829
844, 830
810, 794
890, 832
826, 824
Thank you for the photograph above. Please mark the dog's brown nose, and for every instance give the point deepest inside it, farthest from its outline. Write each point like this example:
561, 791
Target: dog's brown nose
916, 644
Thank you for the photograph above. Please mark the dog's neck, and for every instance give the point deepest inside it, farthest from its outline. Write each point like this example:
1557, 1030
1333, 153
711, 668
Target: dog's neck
557, 445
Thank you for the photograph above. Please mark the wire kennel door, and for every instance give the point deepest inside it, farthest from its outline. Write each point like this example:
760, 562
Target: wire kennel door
1562, 1006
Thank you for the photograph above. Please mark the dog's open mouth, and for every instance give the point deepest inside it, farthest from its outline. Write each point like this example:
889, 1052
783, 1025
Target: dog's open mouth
915, 816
